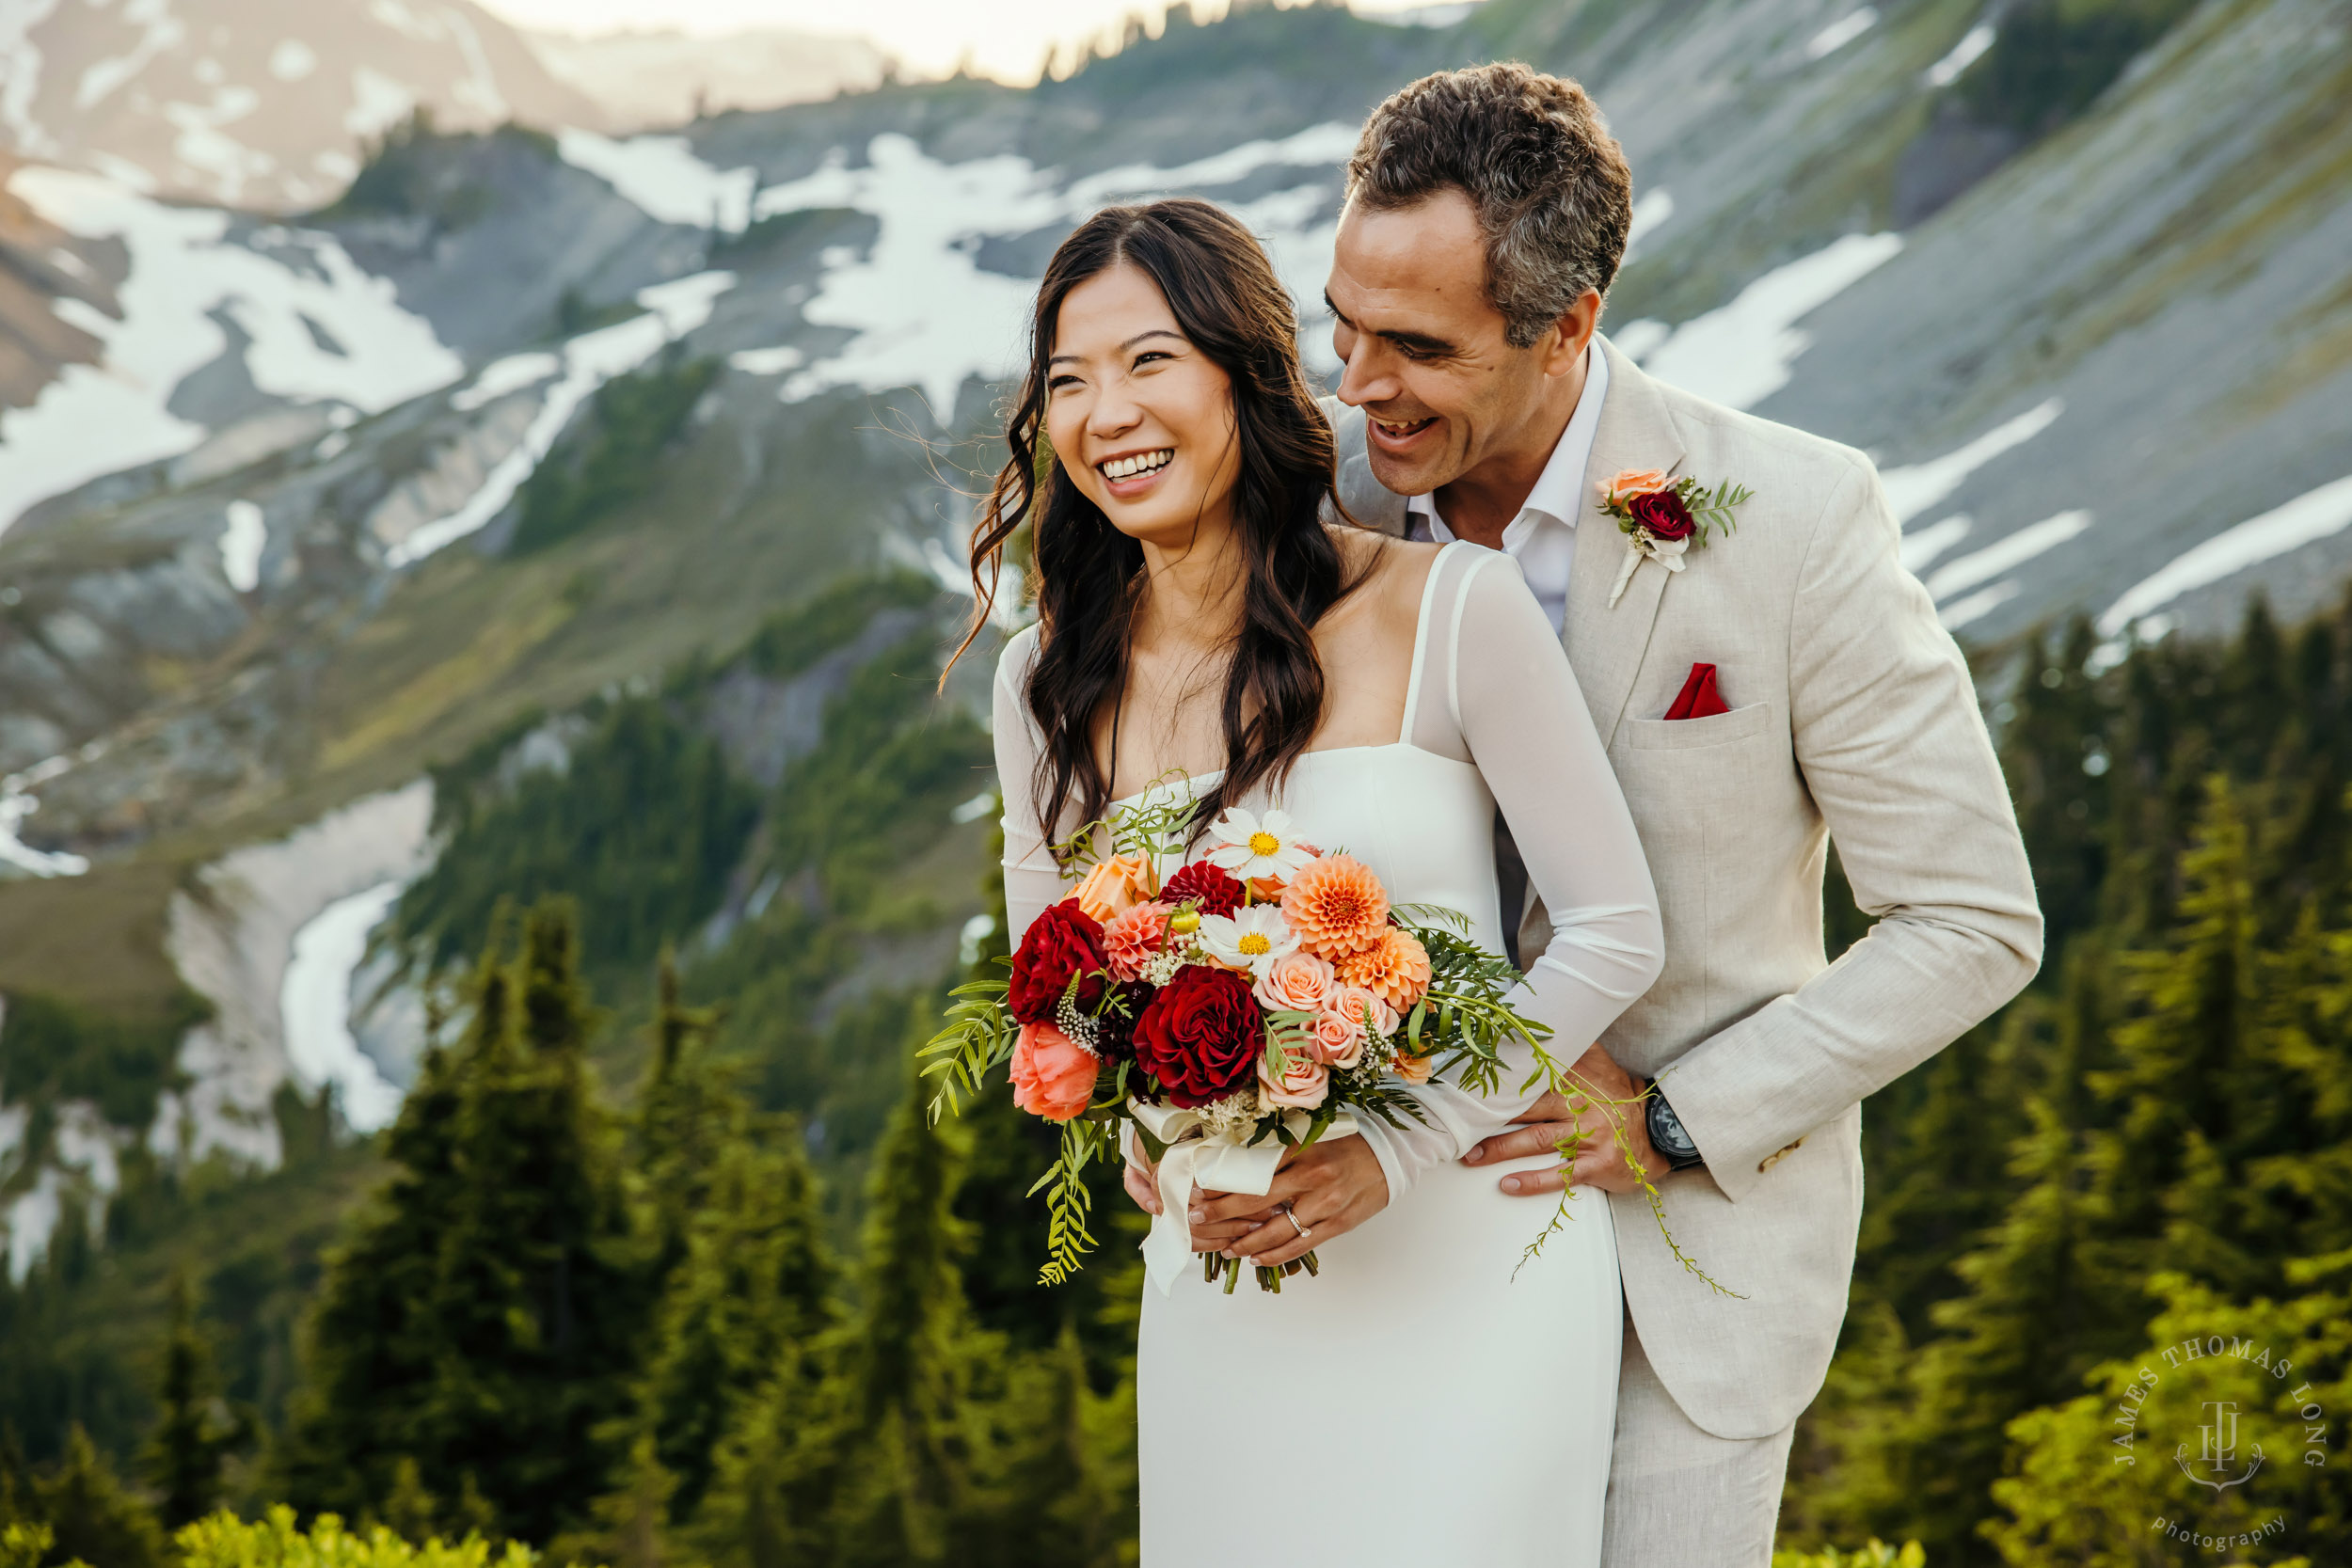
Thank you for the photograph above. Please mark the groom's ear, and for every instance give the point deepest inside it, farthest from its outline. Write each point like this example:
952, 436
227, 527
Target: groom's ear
1563, 347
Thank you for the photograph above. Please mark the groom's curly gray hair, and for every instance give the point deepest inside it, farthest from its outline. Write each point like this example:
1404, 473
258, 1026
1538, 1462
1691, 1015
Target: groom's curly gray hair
1553, 196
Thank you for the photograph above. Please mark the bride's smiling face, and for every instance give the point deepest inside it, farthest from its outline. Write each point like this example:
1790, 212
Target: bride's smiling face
1141, 421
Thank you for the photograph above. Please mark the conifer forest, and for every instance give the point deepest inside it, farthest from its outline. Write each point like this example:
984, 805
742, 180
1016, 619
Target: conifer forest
660, 1264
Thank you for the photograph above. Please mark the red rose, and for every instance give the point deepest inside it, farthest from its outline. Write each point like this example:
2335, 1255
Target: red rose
1217, 891
1662, 513
1060, 943
1202, 1036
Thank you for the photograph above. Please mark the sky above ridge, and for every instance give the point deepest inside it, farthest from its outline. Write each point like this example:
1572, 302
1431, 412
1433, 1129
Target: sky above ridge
1004, 39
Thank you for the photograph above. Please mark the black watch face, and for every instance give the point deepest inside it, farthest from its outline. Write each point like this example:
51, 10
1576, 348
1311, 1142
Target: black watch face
1666, 1133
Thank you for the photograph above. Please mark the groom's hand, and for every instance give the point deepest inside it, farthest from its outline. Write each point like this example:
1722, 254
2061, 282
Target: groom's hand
1603, 1134
1331, 1189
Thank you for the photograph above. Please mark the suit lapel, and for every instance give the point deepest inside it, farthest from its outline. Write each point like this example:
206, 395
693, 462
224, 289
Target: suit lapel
1606, 643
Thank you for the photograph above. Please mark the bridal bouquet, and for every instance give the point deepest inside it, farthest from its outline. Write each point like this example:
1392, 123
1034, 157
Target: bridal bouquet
1258, 998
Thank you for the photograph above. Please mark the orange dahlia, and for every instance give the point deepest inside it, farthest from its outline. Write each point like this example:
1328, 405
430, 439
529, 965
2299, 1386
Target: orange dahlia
1395, 969
1337, 906
1132, 941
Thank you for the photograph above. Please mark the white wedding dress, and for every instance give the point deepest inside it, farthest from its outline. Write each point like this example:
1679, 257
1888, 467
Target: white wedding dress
1415, 1403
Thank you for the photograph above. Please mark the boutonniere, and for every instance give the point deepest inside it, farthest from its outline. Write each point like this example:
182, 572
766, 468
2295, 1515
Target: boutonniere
1663, 516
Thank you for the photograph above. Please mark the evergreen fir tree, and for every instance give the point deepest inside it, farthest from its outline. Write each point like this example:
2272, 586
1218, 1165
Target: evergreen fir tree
369, 1354
196, 1432
537, 1306
689, 1111
907, 1368
747, 1305
92, 1517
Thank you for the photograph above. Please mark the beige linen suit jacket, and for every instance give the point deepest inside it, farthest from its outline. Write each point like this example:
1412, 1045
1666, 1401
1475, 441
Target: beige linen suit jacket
1852, 715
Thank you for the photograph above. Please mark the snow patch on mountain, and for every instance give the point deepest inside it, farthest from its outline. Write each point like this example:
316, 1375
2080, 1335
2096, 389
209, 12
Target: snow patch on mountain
315, 1005
927, 314
661, 175
1741, 353
319, 329
1914, 487
2314, 515
672, 310
236, 947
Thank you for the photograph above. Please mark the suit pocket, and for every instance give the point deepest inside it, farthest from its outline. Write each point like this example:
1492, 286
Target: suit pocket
1691, 735
1684, 781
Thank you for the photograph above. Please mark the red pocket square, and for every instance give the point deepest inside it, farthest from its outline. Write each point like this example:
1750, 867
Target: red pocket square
1699, 699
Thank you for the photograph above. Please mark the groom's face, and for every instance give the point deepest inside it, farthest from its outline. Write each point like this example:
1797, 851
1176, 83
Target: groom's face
1424, 348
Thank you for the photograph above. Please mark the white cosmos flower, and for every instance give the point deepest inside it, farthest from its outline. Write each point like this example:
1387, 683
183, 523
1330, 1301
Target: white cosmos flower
1251, 846
1249, 938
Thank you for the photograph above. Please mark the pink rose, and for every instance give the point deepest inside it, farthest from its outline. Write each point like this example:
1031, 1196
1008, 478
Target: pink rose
1053, 1076
1337, 1038
1304, 1084
1363, 1008
1296, 983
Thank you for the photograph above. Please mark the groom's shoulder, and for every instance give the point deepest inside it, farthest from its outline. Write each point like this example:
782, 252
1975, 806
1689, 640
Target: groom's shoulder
1802, 473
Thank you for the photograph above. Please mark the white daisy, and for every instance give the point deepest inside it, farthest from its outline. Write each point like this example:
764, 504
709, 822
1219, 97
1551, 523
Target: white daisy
1250, 938
1251, 846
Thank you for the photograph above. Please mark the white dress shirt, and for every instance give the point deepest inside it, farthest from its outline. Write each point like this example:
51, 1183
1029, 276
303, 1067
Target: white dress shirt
1542, 538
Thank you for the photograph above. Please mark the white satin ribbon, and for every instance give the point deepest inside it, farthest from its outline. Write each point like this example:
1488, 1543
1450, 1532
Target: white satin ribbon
1223, 1163
1640, 547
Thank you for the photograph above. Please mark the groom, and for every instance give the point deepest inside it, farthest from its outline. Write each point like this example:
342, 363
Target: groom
1488, 211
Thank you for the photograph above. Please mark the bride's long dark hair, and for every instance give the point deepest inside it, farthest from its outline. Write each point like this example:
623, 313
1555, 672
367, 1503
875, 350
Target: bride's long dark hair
1226, 297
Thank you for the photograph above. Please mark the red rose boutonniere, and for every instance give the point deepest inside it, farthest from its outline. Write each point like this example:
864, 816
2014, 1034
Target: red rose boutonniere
1664, 518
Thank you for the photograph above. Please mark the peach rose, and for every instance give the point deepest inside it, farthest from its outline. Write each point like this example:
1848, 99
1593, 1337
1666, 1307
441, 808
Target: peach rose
1296, 983
1414, 1069
1053, 1076
1304, 1085
1131, 939
1629, 482
1117, 885
1336, 1038
1395, 969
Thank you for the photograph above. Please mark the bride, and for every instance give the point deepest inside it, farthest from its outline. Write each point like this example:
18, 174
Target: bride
1424, 1399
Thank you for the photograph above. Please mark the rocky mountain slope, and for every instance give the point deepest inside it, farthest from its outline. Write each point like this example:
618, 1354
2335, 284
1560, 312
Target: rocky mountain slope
522, 416
262, 104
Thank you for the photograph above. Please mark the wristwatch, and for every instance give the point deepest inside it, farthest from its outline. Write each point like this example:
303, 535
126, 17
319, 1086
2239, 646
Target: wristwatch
1667, 1136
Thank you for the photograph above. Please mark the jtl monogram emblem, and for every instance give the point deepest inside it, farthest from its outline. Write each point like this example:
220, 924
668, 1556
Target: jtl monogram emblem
2220, 1434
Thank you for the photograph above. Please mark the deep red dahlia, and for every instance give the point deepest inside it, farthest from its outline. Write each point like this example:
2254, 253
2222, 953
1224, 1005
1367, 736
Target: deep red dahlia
1217, 891
1200, 1036
1062, 942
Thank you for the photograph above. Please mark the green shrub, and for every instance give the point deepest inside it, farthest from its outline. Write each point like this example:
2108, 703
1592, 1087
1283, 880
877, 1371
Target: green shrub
1878, 1554
225, 1540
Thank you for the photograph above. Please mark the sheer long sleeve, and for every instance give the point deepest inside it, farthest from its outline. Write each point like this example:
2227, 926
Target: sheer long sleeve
1032, 881
1495, 682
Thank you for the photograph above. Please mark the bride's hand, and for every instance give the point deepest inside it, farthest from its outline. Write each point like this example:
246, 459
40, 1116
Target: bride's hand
1612, 1111
1143, 1182
1329, 1190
